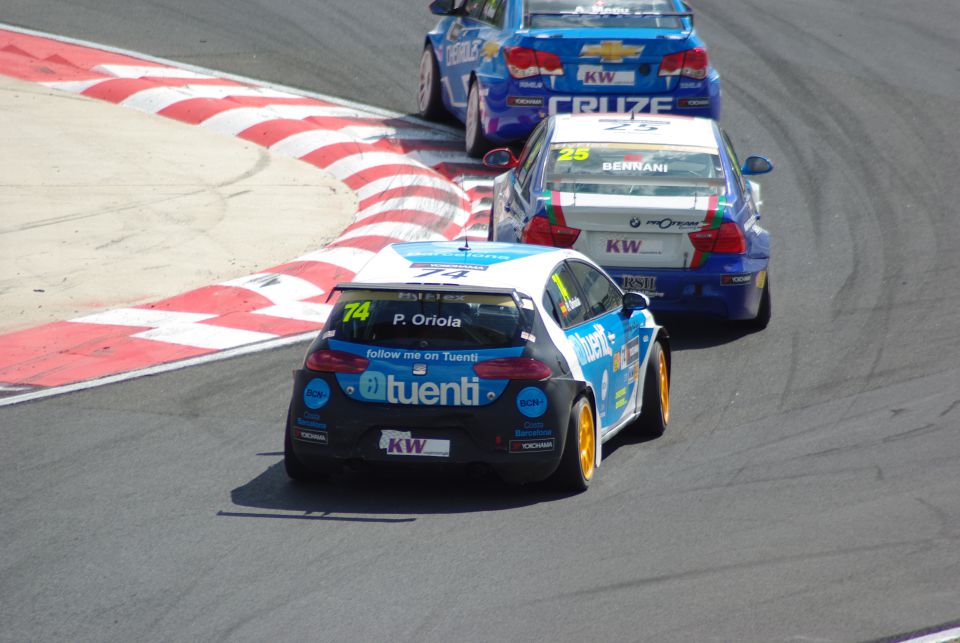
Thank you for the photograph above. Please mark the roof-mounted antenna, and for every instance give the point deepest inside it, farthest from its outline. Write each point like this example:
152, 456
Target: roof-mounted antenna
466, 244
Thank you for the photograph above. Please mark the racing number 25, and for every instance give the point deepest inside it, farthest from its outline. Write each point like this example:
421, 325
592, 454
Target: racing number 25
573, 154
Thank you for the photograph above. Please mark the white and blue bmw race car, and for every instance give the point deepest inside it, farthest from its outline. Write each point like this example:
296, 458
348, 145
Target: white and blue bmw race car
517, 358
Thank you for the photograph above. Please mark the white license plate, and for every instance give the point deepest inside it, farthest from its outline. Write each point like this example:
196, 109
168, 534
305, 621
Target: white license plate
403, 443
643, 283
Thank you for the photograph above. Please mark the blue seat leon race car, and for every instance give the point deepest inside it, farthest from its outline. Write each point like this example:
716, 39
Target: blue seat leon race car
516, 358
661, 202
502, 66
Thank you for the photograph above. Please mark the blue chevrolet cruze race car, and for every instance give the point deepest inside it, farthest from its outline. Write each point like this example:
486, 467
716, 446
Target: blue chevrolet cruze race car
516, 358
502, 66
661, 202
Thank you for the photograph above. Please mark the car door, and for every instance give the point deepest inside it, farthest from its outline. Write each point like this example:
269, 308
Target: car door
512, 203
462, 51
742, 195
606, 325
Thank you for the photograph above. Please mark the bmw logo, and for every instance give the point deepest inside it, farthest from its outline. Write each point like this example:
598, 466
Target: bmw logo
635, 222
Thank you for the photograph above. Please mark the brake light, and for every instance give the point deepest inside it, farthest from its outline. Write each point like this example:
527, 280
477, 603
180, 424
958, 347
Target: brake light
326, 361
727, 239
523, 62
692, 63
549, 64
542, 233
512, 368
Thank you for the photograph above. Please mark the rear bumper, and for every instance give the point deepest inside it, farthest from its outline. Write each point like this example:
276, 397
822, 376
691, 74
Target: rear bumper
345, 432
727, 289
513, 107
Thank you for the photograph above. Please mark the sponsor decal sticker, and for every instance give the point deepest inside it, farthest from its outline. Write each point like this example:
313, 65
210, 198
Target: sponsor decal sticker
467, 51
624, 246
646, 285
619, 104
525, 101
692, 103
735, 280
316, 393
589, 347
308, 435
666, 223
532, 402
597, 75
529, 446
312, 424
433, 265
634, 247
403, 443
374, 386
533, 430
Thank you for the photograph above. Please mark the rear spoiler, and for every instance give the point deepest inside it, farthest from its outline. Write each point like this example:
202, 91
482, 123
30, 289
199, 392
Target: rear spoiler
632, 14
435, 288
643, 180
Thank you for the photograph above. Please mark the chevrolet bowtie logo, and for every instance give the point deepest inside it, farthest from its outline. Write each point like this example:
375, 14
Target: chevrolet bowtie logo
611, 51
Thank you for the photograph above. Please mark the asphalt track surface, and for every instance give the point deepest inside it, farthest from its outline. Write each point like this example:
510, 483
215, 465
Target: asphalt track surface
807, 488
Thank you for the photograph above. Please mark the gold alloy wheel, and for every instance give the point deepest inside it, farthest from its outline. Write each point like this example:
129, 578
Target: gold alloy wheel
588, 451
664, 390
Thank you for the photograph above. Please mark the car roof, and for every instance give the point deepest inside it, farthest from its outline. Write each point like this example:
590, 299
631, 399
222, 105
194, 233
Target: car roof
640, 128
485, 264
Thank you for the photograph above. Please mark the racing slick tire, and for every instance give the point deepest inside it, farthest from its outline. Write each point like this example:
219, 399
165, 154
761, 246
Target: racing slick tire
578, 462
475, 138
429, 102
655, 413
764, 310
296, 470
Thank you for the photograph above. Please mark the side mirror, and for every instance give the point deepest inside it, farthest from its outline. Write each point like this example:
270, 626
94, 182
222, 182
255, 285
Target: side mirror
756, 165
442, 7
634, 301
501, 158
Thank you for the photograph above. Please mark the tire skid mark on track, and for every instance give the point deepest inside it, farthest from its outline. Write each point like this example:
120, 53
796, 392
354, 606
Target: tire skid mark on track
820, 107
414, 181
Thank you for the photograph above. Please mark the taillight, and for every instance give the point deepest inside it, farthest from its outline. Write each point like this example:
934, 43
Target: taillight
727, 239
692, 63
549, 64
542, 233
336, 362
523, 62
512, 368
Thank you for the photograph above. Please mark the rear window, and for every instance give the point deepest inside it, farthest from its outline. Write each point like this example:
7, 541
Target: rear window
633, 169
543, 14
412, 319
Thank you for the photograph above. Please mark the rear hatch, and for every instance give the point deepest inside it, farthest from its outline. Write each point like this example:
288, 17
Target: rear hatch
634, 204
605, 54
421, 347
637, 231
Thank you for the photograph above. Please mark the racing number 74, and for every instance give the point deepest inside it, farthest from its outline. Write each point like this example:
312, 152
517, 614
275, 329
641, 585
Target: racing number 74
356, 310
